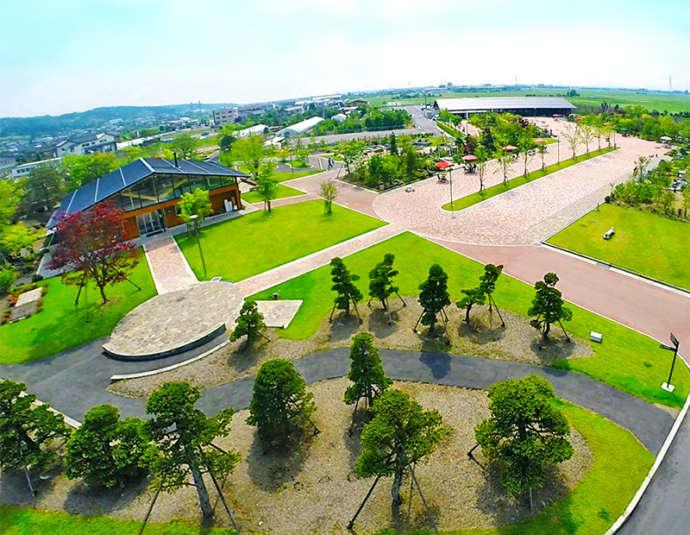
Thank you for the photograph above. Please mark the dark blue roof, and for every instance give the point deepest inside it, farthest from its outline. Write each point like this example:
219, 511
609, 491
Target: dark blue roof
112, 183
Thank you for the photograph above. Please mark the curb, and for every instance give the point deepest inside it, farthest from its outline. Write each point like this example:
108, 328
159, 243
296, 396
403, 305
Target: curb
625, 271
630, 509
114, 378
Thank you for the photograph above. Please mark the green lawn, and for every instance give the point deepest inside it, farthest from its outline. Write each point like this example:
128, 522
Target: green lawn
620, 465
26, 521
282, 192
259, 241
60, 325
644, 242
589, 509
627, 360
497, 189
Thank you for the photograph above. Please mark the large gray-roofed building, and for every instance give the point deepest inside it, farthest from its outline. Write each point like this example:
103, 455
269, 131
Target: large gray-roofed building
148, 190
517, 105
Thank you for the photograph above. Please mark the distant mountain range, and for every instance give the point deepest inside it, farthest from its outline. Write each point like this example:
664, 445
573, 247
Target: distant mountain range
54, 125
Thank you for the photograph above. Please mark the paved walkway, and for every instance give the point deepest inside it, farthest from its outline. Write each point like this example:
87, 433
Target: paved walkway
298, 267
168, 266
665, 507
76, 380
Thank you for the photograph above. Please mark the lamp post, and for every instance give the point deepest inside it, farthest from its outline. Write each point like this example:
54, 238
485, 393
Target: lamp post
558, 147
667, 385
450, 183
195, 219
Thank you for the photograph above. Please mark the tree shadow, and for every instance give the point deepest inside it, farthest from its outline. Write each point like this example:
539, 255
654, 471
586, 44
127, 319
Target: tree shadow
85, 499
271, 469
413, 516
344, 326
552, 349
438, 341
438, 363
478, 332
353, 440
241, 359
378, 322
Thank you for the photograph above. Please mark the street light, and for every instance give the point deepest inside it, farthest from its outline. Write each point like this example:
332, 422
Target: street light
450, 182
558, 146
195, 219
667, 385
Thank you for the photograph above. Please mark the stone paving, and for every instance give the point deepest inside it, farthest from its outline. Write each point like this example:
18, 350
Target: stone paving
507, 219
168, 266
279, 313
176, 319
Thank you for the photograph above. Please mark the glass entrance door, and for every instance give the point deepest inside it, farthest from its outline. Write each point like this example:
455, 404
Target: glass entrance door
151, 222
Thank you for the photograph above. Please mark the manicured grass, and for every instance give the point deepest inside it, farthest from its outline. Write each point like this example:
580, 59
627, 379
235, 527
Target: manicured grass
60, 325
283, 191
298, 164
627, 360
647, 243
26, 521
497, 189
620, 465
259, 241
282, 176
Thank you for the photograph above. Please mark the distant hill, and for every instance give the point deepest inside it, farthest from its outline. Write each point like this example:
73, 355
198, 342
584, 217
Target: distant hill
52, 125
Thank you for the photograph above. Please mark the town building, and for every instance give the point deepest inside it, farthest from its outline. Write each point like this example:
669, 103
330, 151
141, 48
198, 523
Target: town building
530, 106
149, 191
25, 168
225, 115
256, 130
86, 145
300, 128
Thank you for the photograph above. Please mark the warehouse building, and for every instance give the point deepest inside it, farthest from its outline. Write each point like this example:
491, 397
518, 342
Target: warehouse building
529, 106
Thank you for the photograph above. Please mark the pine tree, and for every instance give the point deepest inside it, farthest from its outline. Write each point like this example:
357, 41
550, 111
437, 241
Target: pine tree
547, 306
250, 323
343, 285
434, 296
280, 405
366, 371
381, 283
394, 144
473, 296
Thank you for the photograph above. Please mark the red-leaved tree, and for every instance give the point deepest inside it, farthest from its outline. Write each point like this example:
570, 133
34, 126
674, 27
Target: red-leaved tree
91, 247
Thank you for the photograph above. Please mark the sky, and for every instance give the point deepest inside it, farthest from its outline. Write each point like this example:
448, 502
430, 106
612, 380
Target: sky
74, 55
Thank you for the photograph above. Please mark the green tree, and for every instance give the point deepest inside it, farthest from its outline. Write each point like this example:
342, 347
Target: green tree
328, 192
183, 437
366, 371
106, 451
197, 202
434, 296
267, 186
473, 296
11, 195
27, 429
400, 435
280, 405
393, 146
381, 282
411, 162
82, 169
352, 152
482, 159
250, 152
572, 137
525, 144
524, 433
44, 188
184, 145
250, 323
487, 284
344, 286
547, 306
15, 238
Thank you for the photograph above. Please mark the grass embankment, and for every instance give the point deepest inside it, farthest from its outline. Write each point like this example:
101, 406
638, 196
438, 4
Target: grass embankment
647, 243
61, 325
497, 189
259, 241
627, 360
25, 521
283, 191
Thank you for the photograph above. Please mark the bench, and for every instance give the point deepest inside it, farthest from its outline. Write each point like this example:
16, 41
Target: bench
609, 233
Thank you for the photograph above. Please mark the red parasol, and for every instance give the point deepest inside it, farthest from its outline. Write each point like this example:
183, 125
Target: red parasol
469, 158
540, 140
442, 164
509, 148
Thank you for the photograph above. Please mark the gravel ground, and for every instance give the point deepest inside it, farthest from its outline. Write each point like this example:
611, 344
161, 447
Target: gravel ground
483, 338
313, 488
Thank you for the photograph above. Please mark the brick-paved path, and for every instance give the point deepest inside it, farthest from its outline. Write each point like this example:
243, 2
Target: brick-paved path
168, 265
305, 264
